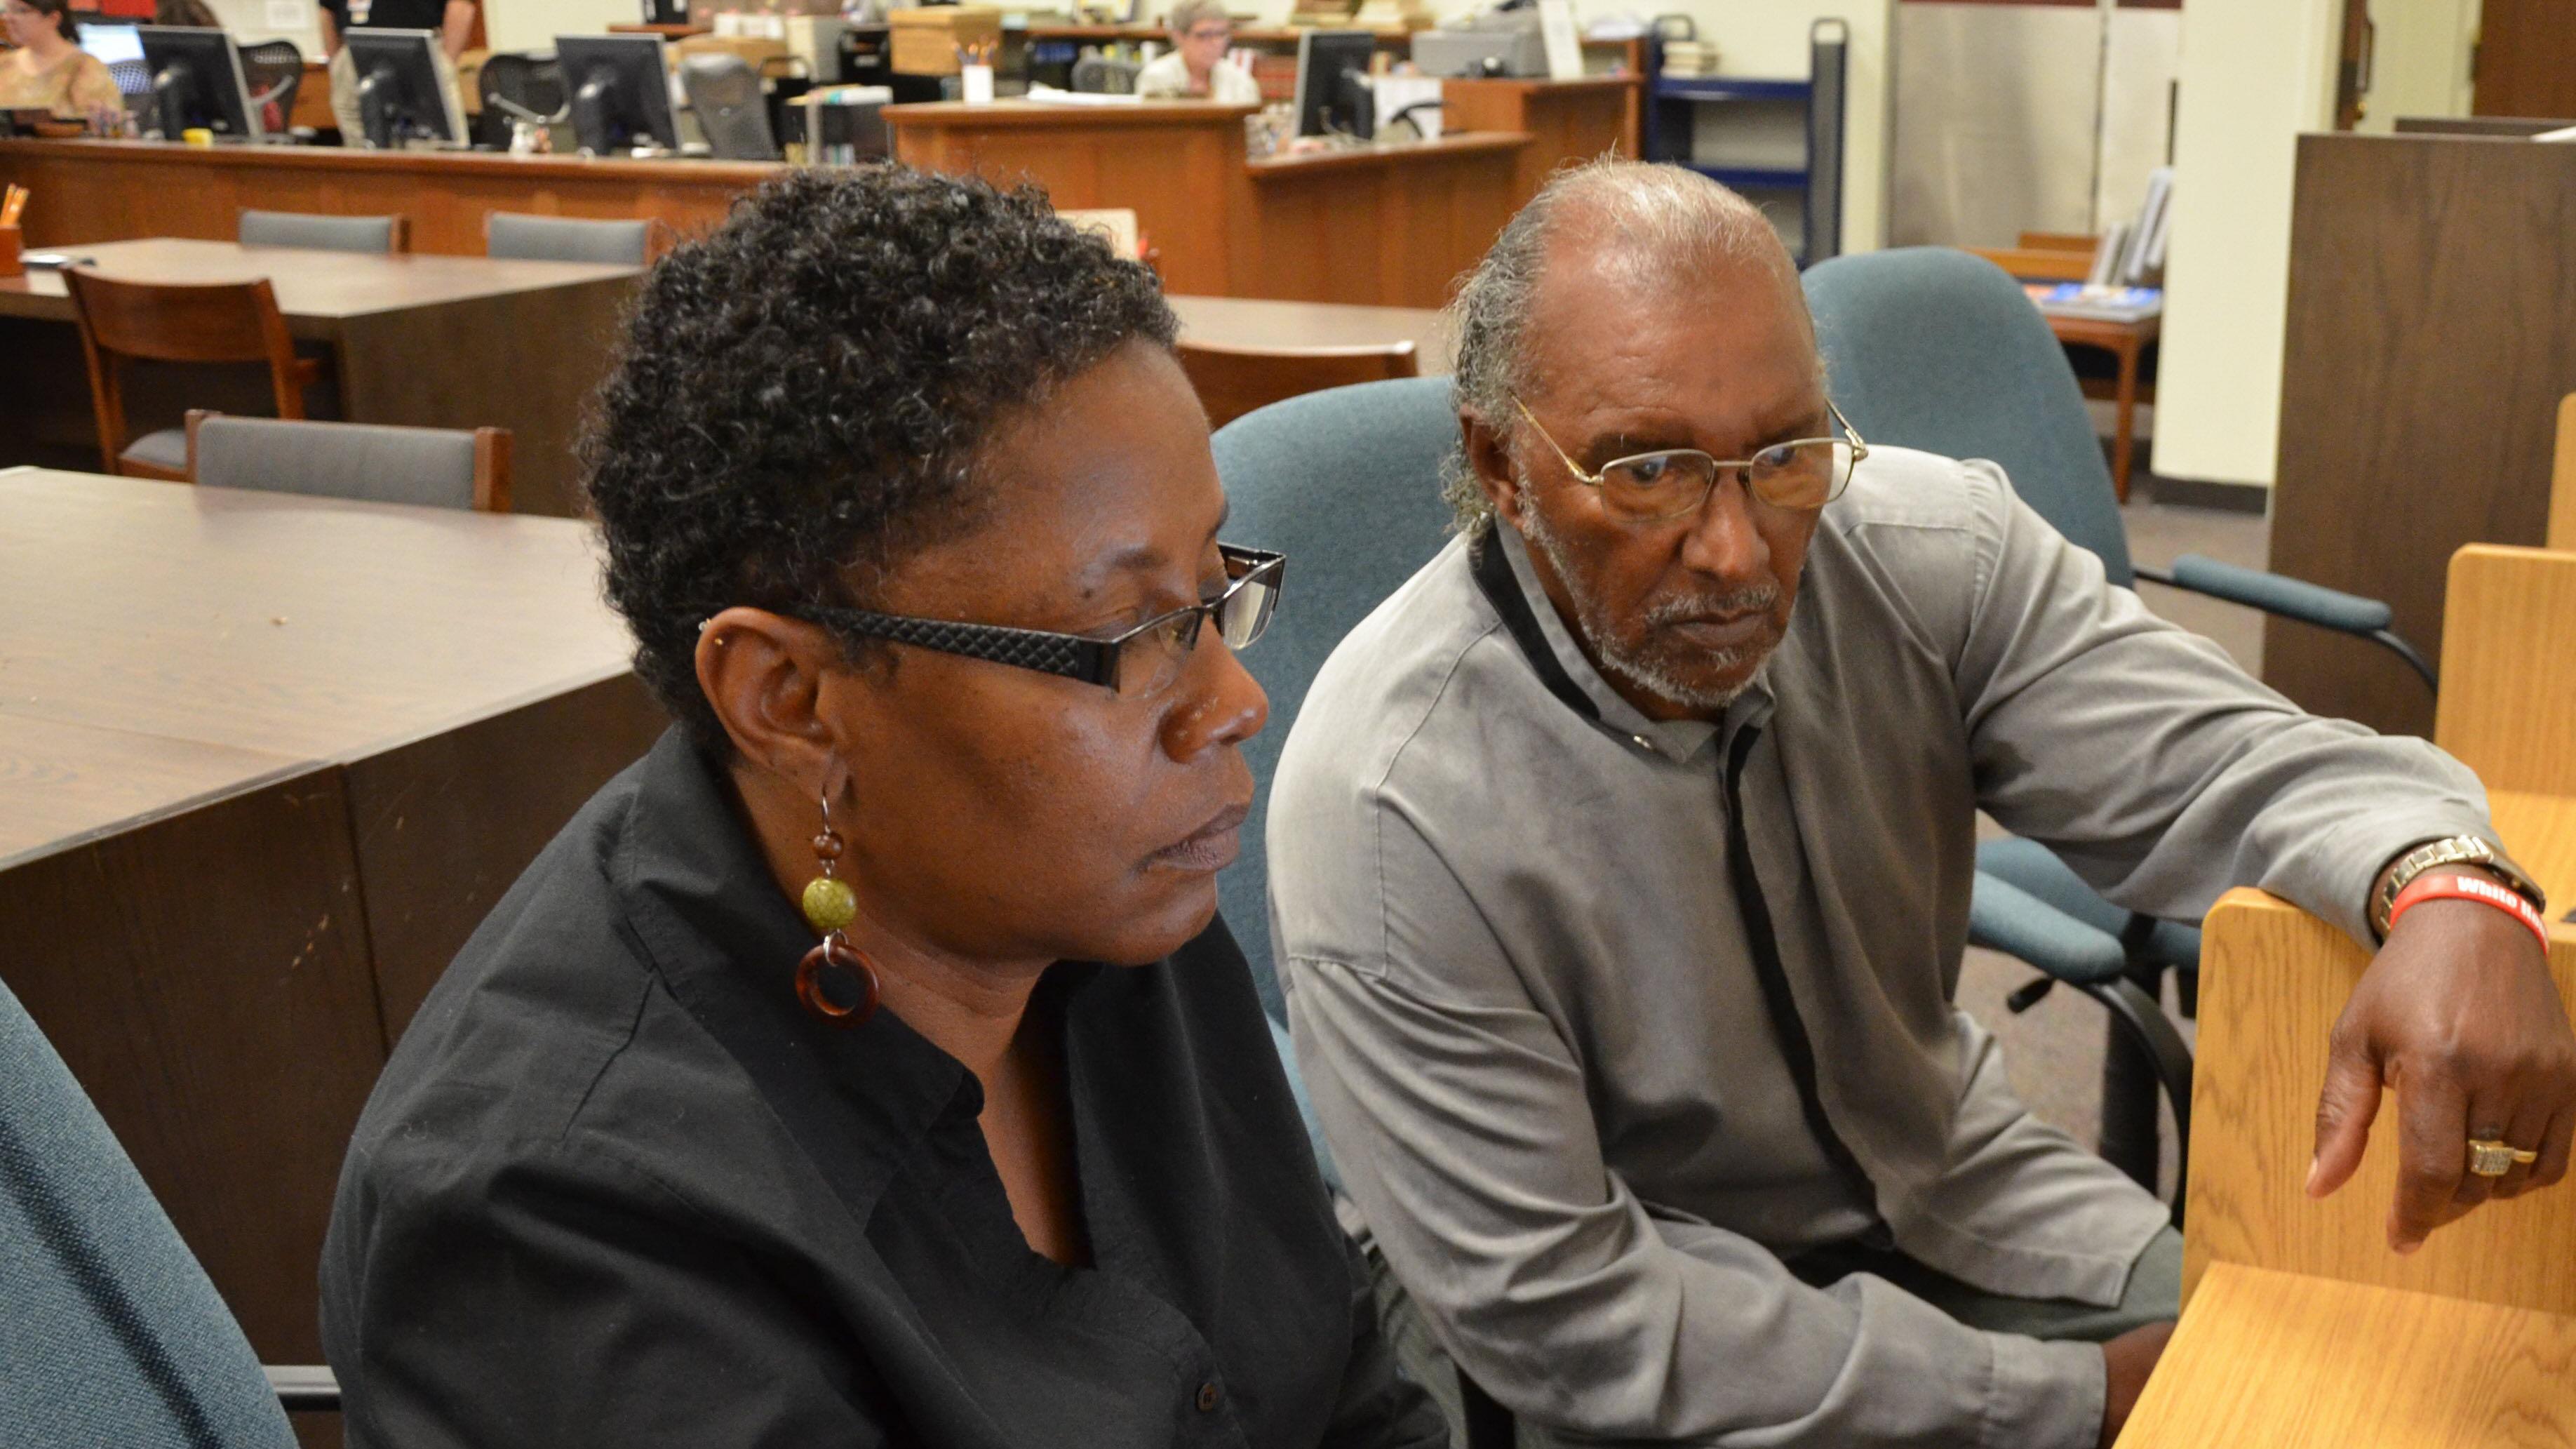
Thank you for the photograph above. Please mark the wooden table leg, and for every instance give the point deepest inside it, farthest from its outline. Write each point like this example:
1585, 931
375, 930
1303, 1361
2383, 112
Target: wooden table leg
2124, 429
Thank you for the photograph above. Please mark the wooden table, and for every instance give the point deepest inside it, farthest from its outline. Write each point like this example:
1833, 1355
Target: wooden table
2127, 342
2300, 1327
1246, 322
265, 761
439, 341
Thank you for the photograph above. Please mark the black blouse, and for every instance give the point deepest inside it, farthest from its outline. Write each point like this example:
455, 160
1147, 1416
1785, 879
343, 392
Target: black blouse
616, 1188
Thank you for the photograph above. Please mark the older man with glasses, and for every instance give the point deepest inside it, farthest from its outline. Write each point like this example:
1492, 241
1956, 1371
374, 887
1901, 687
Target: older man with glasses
1620, 865
1196, 68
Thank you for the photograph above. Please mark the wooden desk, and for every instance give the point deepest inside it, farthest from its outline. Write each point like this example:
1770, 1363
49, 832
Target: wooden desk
264, 762
1569, 120
439, 341
2127, 342
1384, 225
1394, 225
2290, 1362
2431, 333
2299, 1326
1245, 322
94, 191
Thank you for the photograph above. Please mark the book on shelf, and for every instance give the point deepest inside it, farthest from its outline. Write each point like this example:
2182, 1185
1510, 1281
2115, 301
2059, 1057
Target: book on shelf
2096, 304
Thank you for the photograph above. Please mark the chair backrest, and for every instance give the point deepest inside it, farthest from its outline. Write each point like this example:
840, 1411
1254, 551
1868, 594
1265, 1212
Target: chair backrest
176, 322
1347, 484
2508, 699
274, 71
1931, 348
1233, 381
324, 233
724, 93
566, 239
369, 462
112, 1334
1099, 75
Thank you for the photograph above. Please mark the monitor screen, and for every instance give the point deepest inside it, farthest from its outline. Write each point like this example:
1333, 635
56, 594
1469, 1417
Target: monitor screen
111, 43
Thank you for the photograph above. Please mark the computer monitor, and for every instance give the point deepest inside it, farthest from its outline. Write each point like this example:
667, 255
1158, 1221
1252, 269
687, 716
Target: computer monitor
1333, 83
621, 91
197, 82
110, 42
400, 95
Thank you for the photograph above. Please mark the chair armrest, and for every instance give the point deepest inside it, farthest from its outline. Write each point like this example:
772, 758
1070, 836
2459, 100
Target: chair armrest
2291, 598
304, 1388
2004, 917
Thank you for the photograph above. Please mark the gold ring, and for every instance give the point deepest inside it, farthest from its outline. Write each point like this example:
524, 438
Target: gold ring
2490, 1158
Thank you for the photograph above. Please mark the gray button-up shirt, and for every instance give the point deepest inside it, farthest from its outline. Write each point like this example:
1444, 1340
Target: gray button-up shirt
1520, 983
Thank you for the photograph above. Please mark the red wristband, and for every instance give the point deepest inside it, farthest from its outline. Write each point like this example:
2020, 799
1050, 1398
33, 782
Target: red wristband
2471, 888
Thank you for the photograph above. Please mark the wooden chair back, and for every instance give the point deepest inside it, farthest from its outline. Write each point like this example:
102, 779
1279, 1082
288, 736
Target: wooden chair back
2562, 480
222, 322
429, 467
1232, 381
2508, 702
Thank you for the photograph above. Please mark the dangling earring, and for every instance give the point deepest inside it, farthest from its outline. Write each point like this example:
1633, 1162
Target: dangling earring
830, 905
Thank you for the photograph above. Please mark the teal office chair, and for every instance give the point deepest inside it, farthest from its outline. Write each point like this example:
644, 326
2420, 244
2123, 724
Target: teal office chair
1935, 349
111, 1334
1346, 482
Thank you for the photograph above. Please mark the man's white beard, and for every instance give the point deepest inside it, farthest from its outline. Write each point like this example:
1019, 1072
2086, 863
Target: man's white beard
1635, 668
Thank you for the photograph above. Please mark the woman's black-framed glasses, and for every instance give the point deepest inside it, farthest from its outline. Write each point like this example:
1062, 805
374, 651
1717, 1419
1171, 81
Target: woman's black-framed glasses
1136, 664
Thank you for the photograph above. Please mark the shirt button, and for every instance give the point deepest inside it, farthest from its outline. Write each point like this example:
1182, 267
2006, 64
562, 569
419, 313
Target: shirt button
1207, 1398
1642, 742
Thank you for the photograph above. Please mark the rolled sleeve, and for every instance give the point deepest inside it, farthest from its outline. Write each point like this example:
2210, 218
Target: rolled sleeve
2158, 769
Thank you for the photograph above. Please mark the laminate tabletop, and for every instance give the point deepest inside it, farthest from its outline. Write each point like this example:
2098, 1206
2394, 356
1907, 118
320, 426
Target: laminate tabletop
160, 643
1248, 322
315, 289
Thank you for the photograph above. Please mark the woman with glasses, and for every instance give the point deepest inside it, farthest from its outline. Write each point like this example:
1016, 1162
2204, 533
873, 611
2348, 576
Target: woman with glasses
867, 1065
1196, 68
48, 71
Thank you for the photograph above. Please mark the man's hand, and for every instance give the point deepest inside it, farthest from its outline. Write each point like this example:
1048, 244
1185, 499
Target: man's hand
2128, 1360
2458, 1014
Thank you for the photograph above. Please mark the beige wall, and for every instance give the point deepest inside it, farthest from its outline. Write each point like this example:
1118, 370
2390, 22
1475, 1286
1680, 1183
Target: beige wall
534, 24
2254, 74
2422, 66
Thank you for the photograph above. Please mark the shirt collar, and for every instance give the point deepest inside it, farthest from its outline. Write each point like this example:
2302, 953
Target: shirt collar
1677, 741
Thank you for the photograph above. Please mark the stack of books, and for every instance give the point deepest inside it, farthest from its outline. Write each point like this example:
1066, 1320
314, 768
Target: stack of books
1686, 58
2097, 304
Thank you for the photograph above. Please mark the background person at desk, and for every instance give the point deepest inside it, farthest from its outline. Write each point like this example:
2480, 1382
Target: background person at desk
1196, 67
49, 70
452, 19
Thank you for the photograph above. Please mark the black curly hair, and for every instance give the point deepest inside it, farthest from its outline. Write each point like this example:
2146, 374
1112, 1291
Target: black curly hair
802, 394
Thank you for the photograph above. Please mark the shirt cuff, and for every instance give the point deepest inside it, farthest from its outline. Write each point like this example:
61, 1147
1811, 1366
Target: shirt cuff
2045, 1395
2340, 890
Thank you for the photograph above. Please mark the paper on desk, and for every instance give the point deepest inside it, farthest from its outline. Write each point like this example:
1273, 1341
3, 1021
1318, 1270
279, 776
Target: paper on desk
1054, 97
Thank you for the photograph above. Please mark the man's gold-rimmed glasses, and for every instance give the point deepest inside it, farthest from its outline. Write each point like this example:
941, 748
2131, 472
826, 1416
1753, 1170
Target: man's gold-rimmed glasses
1803, 473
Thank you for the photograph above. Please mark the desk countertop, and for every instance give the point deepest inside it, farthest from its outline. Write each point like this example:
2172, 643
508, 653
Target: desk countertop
161, 642
1399, 153
735, 175
2291, 1362
314, 288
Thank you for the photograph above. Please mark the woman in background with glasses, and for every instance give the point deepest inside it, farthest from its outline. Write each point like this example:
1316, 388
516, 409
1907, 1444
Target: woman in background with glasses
867, 1064
1196, 68
48, 71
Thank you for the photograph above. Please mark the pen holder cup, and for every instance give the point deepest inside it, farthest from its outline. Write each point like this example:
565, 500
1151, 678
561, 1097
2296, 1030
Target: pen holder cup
975, 84
10, 266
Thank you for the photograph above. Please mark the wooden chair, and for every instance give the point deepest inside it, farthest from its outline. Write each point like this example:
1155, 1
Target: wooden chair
367, 462
225, 322
2507, 707
1232, 381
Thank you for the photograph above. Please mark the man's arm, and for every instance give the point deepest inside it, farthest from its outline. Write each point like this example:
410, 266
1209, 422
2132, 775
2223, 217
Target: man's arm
330, 31
457, 29
1462, 1127
2164, 776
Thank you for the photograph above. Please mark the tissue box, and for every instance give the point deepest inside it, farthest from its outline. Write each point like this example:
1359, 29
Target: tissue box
925, 41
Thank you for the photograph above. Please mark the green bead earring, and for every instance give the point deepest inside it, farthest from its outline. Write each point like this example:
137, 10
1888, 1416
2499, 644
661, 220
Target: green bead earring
830, 905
